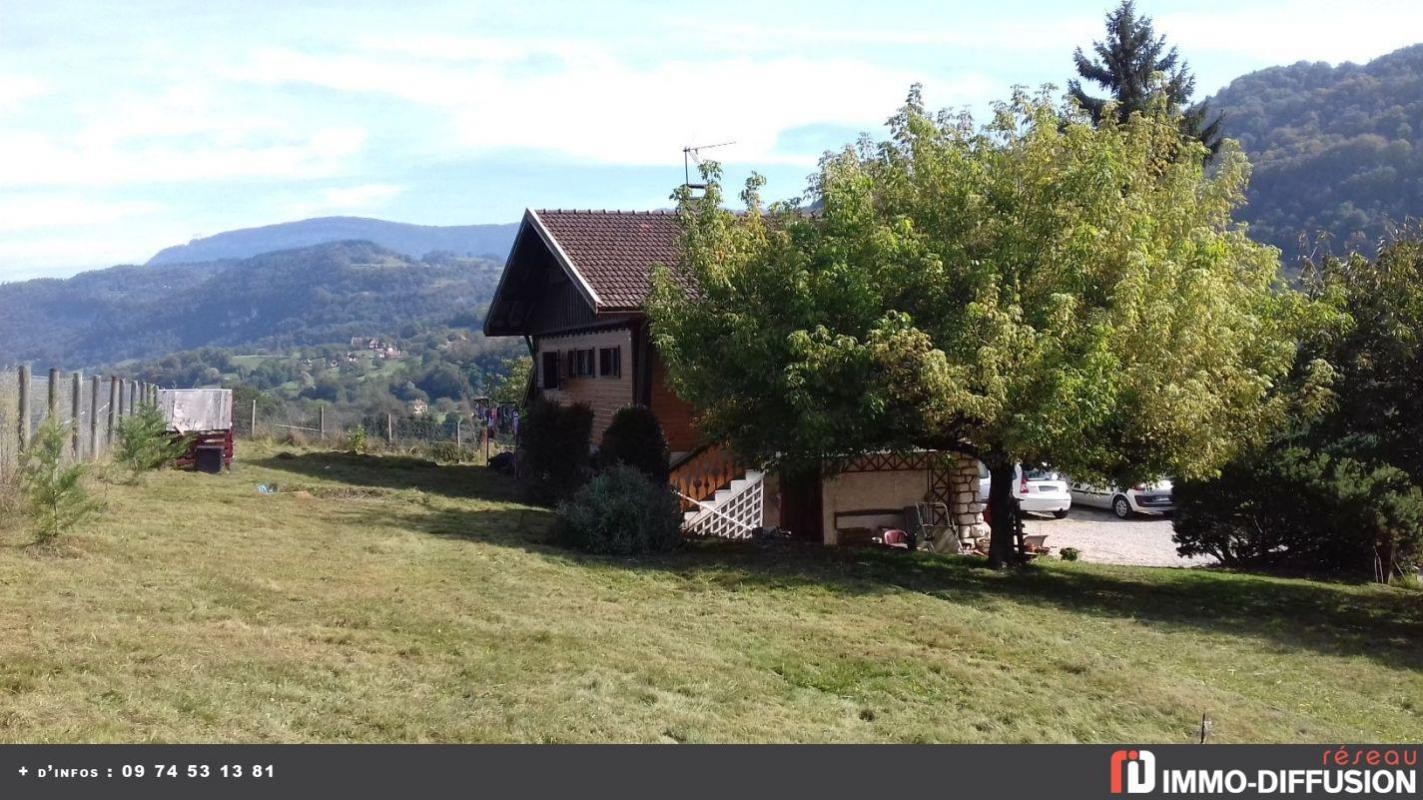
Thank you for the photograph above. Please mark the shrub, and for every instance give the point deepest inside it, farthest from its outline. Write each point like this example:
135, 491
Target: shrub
1069, 554
1339, 489
635, 438
144, 442
1298, 509
621, 512
52, 492
554, 443
356, 440
449, 452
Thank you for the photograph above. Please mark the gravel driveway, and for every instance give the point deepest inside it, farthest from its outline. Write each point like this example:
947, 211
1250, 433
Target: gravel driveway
1104, 539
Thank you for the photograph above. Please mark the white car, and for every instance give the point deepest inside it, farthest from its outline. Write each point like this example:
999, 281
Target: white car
1039, 490
1143, 498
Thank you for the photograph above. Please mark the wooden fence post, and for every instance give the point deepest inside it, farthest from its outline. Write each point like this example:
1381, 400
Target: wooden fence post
24, 407
132, 397
321, 423
459, 438
113, 409
253, 430
53, 391
94, 385
76, 392
389, 428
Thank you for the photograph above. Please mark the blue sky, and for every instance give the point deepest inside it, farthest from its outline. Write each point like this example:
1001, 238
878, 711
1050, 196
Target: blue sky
127, 127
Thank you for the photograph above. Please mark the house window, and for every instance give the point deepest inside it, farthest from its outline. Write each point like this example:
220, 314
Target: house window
610, 362
550, 370
585, 363
580, 363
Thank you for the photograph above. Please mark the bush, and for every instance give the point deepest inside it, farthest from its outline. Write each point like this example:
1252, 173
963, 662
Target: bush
1340, 488
553, 443
356, 440
635, 438
1297, 509
1069, 554
53, 493
144, 442
449, 452
622, 512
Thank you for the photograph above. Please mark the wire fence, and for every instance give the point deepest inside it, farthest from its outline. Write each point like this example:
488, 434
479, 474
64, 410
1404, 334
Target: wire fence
88, 406
470, 435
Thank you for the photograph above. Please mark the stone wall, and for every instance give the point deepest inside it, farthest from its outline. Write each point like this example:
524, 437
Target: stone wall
964, 502
894, 488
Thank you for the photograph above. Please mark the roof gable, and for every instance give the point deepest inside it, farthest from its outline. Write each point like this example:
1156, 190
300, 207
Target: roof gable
613, 252
570, 268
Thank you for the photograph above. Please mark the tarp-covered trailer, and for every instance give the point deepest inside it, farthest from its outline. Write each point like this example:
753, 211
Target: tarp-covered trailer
204, 417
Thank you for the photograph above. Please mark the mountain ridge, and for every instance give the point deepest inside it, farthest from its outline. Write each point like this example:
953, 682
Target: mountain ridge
313, 295
1336, 150
415, 241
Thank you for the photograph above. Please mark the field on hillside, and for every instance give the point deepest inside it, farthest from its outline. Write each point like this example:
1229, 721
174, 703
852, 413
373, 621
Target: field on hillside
386, 599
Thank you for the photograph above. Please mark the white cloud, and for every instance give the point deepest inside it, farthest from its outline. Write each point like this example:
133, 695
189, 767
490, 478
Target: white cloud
58, 256
1302, 30
595, 107
20, 213
15, 89
1018, 35
38, 159
452, 47
347, 200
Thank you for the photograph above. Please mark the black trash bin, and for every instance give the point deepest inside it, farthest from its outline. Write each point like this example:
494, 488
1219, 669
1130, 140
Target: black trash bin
208, 459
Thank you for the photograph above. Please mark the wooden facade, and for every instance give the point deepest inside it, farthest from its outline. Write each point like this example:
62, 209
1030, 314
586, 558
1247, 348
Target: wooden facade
545, 299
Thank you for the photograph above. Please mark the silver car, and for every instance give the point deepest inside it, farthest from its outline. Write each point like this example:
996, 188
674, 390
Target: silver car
1152, 499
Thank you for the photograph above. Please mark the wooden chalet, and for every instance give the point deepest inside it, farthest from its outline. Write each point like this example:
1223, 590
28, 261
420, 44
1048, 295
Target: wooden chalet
574, 287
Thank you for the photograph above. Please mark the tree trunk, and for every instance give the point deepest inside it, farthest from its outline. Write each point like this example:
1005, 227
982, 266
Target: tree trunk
1002, 550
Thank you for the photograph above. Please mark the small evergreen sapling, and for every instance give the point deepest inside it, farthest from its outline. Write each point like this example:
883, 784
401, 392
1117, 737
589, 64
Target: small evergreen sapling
53, 493
145, 443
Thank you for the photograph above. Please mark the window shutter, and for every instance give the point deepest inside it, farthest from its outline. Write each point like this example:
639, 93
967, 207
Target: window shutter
550, 370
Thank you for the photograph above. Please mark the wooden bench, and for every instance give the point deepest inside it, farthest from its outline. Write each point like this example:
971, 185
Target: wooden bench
861, 527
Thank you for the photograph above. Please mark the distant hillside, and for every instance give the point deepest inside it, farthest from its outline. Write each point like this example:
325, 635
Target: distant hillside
1335, 149
322, 294
468, 241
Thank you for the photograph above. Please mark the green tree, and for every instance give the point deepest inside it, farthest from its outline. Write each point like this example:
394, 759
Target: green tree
53, 491
1340, 488
1038, 290
1135, 66
144, 442
635, 438
511, 384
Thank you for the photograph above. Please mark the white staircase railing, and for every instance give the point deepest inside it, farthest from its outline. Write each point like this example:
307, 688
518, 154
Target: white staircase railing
731, 513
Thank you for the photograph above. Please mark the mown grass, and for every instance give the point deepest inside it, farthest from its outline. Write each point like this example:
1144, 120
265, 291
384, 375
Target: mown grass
387, 599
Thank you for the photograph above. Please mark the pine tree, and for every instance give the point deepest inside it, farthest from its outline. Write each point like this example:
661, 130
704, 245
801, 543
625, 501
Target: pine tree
1127, 64
53, 489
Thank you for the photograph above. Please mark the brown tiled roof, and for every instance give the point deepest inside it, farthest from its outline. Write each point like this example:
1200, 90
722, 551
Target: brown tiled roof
615, 251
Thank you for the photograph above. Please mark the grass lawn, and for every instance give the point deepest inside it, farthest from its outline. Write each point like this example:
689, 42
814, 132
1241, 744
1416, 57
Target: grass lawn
400, 601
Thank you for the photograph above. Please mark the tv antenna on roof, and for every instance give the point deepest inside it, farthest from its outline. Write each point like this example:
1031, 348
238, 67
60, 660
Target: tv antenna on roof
693, 153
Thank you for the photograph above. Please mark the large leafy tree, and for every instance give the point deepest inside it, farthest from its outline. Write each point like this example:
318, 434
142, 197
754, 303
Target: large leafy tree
1339, 489
1135, 66
1032, 290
